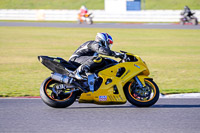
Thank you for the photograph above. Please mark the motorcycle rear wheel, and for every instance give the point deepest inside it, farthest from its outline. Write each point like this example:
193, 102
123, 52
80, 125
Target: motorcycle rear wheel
79, 21
182, 22
144, 97
53, 100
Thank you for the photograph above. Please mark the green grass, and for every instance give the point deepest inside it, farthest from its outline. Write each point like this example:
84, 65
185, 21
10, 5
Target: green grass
51, 4
93, 4
172, 4
173, 56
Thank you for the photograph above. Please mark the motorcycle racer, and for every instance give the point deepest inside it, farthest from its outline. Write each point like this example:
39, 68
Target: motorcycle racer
187, 13
82, 12
87, 55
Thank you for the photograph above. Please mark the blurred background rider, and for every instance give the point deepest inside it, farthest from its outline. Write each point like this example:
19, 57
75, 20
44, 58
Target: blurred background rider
82, 12
187, 13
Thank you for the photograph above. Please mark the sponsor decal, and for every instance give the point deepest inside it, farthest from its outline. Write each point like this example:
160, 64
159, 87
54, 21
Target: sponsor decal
41, 59
57, 60
102, 98
136, 66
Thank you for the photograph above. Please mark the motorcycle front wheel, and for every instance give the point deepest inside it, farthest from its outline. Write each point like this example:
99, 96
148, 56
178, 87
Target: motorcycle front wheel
142, 97
56, 100
194, 21
89, 21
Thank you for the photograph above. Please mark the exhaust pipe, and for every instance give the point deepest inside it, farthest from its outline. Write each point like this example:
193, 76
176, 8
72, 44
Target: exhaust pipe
61, 78
67, 80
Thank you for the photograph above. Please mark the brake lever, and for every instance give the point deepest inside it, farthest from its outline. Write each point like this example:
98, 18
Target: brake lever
123, 51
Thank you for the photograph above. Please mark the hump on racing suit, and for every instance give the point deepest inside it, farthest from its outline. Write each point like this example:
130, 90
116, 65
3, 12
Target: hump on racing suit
91, 48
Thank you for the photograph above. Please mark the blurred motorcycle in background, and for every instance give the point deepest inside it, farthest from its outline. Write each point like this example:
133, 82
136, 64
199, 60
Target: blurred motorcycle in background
87, 18
185, 19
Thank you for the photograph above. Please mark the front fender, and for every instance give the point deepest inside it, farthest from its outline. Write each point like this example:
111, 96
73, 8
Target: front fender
142, 78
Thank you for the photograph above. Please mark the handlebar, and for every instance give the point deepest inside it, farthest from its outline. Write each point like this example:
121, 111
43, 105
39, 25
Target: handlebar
125, 58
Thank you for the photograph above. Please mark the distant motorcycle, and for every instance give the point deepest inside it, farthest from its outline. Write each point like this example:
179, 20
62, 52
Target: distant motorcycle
88, 18
191, 19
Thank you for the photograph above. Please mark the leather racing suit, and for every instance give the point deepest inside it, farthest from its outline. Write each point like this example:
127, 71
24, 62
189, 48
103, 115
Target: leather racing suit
87, 55
187, 13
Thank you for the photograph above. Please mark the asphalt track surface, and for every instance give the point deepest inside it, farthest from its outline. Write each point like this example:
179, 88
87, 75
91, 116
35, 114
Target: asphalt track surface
102, 25
166, 116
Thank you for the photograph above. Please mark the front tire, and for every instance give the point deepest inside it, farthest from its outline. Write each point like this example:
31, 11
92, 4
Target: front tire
142, 97
90, 21
195, 22
53, 100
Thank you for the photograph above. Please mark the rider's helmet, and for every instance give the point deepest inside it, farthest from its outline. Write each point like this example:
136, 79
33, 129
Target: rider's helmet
83, 7
105, 40
186, 8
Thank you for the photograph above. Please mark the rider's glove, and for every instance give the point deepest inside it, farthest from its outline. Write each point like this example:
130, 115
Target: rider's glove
118, 55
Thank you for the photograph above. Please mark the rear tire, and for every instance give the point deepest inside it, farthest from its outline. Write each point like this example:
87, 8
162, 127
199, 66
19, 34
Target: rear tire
51, 99
182, 22
78, 21
136, 96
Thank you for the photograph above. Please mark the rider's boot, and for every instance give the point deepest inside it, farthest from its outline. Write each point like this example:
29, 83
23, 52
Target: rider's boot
80, 74
81, 71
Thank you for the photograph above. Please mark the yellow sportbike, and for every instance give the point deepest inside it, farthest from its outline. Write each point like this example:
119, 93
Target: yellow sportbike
115, 83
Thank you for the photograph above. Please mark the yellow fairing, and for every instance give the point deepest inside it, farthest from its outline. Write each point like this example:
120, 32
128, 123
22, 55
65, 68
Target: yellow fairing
106, 94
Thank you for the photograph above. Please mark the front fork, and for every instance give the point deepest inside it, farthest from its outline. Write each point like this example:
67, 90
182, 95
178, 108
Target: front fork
138, 82
140, 79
